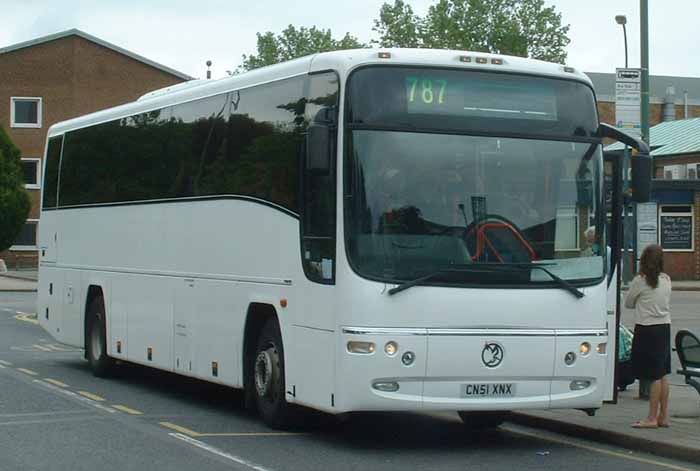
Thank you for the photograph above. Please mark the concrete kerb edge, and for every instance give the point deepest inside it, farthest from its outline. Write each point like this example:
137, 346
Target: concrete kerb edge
629, 442
18, 277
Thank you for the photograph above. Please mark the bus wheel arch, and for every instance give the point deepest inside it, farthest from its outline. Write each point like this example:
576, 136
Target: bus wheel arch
95, 325
264, 366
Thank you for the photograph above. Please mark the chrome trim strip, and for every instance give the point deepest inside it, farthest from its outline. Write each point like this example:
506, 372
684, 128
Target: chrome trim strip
476, 332
492, 332
582, 333
383, 331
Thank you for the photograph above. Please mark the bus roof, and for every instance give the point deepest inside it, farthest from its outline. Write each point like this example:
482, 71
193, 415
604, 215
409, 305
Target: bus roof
341, 61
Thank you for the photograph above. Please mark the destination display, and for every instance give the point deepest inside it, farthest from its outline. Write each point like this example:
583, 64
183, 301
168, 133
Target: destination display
478, 96
677, 232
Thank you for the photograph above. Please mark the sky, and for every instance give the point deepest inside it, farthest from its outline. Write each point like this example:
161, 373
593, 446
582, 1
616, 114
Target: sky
183, 34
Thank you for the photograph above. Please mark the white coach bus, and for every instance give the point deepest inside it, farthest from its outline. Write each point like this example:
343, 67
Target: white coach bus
349, 231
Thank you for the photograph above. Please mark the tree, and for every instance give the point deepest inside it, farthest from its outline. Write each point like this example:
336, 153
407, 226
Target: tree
523, 28
296, 42
14, 199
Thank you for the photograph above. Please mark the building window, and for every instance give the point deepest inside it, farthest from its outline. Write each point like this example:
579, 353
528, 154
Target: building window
676, 225
31, 172
26, 240
25, 112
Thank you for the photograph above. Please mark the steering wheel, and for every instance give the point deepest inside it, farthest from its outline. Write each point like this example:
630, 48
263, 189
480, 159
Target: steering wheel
480, 241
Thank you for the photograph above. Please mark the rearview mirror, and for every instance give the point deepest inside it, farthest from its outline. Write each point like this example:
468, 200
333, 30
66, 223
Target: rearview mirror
642, 167
642, 164
319, 143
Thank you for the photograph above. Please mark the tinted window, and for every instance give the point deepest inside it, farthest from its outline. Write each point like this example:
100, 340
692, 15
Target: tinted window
245, 142
52, 161
265, 133
117, 161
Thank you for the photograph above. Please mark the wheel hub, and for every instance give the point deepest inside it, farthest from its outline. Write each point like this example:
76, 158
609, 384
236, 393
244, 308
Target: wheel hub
264, 372
96, 341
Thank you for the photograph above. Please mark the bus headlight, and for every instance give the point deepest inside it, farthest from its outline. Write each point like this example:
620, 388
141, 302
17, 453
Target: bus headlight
391, 348
585, 348
364, 348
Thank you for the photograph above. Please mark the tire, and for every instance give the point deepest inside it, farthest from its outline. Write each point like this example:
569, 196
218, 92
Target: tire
483, 420
96, 340
268, 382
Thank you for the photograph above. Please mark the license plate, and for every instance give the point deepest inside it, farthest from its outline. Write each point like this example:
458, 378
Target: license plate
488, 390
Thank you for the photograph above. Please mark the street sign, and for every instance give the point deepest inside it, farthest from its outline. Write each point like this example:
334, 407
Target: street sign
647, 225
628, 98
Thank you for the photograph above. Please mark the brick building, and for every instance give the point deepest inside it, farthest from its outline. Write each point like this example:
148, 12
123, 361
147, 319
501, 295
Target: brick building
57, 77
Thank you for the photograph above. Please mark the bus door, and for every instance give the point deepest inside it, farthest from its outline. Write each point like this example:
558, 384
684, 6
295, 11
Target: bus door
640, 191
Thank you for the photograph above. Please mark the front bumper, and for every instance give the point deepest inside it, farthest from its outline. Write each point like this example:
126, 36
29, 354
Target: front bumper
447, 360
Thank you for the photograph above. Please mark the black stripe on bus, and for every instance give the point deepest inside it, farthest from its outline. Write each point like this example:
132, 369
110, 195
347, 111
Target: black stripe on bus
179, 200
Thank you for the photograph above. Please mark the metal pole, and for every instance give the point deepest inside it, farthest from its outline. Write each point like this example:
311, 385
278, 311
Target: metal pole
624, 31
644, 386
644, 27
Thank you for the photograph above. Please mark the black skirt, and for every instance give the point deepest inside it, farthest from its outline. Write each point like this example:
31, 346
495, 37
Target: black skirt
651, 351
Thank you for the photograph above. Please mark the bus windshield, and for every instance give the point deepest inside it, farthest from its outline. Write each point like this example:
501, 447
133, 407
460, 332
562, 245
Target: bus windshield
419, 202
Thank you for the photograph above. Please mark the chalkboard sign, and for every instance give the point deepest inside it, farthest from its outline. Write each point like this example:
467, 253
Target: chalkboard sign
677, 232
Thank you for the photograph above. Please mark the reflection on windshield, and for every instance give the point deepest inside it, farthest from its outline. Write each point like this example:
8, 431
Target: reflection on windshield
421, 202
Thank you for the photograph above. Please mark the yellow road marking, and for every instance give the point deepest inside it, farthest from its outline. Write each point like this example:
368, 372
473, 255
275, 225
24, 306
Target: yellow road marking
251, 434
41, 347
192, 433
92, 396
603, 451
5, 363
56, 382
56, 348
26, 318
128, 410
26, 371
180, 429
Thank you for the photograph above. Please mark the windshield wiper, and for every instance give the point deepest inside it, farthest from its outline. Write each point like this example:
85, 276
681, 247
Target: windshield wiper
490, 267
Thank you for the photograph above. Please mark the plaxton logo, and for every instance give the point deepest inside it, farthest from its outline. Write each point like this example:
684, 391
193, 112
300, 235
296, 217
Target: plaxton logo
492, 355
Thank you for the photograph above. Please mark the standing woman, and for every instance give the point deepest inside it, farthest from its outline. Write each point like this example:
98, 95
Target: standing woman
650, 295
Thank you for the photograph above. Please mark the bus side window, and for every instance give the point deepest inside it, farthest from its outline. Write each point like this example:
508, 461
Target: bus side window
319, 188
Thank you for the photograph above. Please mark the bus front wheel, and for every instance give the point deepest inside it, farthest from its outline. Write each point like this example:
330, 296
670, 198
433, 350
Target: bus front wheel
482, 420
96, 344
268, 377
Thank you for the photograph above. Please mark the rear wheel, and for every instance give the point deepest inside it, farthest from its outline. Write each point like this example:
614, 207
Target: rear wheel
268, 378
483, 420
96, 342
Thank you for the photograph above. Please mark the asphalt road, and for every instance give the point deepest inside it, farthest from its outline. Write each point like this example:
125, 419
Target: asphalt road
54, 415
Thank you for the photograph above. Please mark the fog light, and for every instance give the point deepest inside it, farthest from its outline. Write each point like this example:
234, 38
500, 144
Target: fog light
570, 358
364, 348
408, 358
391, 348
579, 384
602, 348
585, 348
386, 386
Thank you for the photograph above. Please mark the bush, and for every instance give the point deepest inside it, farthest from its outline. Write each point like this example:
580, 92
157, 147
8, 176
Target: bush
14, 199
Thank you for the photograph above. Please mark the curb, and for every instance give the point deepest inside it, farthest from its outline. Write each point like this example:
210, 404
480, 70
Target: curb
18, 277
629, 442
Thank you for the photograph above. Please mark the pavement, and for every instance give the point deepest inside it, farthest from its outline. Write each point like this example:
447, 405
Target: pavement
611, 424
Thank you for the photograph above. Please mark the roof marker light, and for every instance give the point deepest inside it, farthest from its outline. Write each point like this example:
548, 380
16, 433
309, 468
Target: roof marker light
481, 60
384, 55
497, 61
570, 70
465, 59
